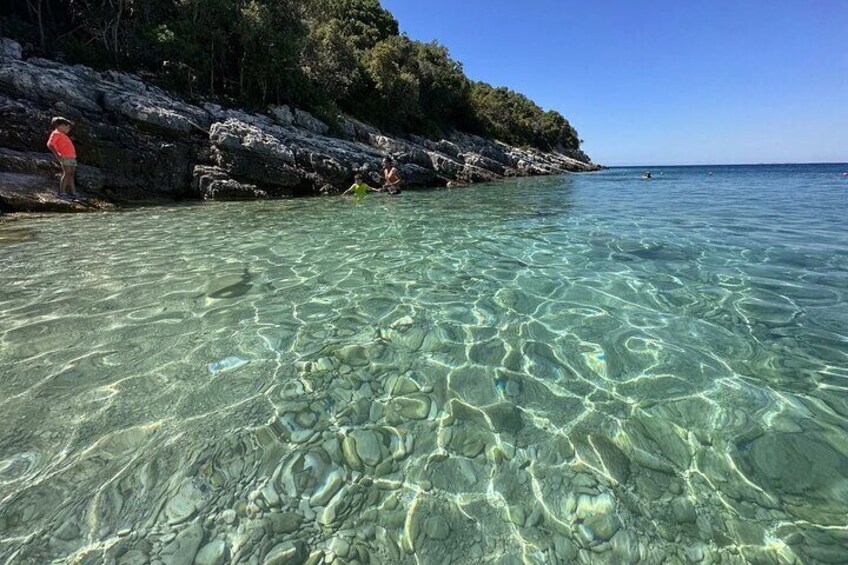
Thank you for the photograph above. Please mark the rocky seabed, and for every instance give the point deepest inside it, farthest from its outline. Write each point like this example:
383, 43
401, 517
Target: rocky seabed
355, 458
137, 142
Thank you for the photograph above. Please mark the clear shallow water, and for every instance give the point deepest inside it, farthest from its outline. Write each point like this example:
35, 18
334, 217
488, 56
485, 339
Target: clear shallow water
592, 368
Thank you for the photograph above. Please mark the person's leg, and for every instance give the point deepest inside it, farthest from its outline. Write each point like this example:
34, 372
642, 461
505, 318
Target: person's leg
63, 180
72, 180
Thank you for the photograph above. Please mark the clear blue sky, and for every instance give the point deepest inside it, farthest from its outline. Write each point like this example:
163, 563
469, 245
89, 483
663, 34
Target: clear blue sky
663, 81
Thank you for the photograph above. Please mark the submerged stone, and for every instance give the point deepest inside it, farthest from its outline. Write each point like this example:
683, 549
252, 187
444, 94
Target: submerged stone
286, 553
284, 522
505, 417
367, 444
184, 548
684, 510
598, 516
183, 506
212, 553
615, 461
411, 408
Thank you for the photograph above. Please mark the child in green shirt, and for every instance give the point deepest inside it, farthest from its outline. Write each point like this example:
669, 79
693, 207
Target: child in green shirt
359, 188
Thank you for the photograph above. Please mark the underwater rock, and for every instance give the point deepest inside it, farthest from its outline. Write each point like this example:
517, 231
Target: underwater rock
436, 528
615, 461
183, 506
684, 510
306, 473
367, 445
412, 408
337, 508
286, 553
183, 549
662, 434
468, 442
284, 522
325, 491
401, 386
505, 417
230, 286
213, 553
625, 547
598, 517
349, 452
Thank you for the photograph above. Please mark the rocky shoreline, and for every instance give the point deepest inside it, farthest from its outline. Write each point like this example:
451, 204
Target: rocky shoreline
138, 143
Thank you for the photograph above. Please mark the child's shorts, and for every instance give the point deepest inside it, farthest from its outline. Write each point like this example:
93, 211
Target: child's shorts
70, 162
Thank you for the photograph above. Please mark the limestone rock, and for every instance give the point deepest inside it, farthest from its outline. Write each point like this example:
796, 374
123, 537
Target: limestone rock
284, 522
367, 446
10, 49
598, 516
412, 408
286, 553
213, 553
146, 144
183, 506
310, 122
282, 115
213, 183
183, 549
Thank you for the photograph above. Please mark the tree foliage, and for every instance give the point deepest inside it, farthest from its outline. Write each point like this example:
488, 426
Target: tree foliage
327, 56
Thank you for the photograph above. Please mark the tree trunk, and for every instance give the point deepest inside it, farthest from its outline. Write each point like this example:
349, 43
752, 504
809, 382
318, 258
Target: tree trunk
35, 8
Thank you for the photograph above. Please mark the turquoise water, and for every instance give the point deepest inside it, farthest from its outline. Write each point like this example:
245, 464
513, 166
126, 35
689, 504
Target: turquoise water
585, 369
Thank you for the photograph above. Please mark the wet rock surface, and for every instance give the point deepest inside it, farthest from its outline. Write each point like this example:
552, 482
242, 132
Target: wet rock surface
137, 142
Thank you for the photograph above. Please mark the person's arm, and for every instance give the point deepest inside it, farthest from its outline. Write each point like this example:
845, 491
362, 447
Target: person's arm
346, 192
51, 146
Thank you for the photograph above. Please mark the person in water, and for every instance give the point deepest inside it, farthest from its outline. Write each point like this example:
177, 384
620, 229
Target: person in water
63, 149
391, 176
360, 187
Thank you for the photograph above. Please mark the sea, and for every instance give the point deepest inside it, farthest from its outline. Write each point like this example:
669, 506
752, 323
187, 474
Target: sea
589, 368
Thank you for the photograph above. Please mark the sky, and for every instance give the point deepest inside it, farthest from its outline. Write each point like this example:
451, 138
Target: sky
656, 82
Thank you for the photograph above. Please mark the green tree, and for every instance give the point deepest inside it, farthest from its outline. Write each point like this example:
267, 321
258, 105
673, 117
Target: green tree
321, 55
393, 68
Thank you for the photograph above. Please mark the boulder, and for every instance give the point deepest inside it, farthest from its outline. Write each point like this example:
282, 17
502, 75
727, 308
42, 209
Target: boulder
348, 128
27, 192
48, 85
282, 115
237, 136
310, 122
444, 166
482, 162
212, 183
470, 173
10, 49
415, 175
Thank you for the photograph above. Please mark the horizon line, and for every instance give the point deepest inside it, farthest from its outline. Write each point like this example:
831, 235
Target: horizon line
726, 164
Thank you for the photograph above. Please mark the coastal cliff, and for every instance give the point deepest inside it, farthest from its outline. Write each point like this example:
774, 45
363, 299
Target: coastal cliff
139, 143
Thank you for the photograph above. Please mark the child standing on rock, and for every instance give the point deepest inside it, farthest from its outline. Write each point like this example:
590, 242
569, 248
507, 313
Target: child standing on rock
63, 149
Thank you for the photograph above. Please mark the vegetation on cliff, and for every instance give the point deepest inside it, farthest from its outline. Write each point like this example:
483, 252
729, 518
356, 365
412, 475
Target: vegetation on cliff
327, 56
